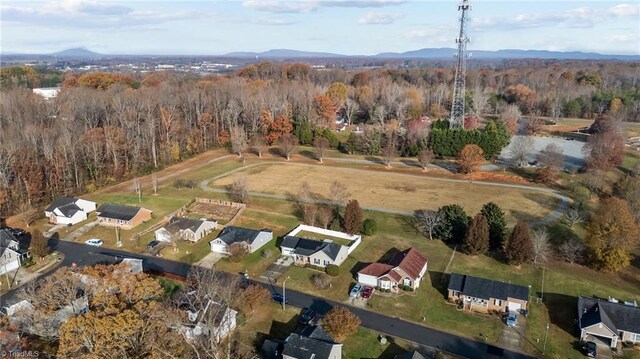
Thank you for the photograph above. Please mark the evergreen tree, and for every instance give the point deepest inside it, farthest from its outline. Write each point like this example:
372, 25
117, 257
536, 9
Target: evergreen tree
353, 217
453, 226
477, 237
497, 225
519, 247
331, 137
39, 246
352, 143
304, 133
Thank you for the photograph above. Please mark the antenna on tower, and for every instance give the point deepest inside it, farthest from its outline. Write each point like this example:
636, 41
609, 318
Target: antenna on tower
457, 106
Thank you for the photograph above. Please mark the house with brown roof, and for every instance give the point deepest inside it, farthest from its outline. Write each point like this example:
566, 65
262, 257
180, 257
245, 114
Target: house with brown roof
124, 217
406, 269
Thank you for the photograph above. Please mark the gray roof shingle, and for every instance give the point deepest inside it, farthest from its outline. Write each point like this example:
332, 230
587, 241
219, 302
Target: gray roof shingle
307, 247
616, 316
182, 223
231, 234
486, 288
115, 211
309, 342
59, 202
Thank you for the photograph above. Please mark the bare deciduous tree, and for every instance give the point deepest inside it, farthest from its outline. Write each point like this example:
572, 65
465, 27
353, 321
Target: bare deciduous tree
574, 216
425, 157
427, 220
572, 250
480, 100
154, 183
288, 144
389, 153
238, 189
259, 144
238, 140
520, 149
320, 144
541, 245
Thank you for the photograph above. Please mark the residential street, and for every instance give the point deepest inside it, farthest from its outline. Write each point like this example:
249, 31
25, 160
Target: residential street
81, 254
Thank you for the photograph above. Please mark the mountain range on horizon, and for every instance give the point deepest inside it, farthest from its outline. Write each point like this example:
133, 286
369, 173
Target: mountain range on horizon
425, 53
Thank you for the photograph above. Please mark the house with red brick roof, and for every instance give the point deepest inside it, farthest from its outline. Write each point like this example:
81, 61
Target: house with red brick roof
406, 269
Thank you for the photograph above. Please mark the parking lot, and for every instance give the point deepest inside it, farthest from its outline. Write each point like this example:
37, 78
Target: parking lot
573, 155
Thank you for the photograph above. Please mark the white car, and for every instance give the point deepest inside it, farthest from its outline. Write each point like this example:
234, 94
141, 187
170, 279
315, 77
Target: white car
94, 242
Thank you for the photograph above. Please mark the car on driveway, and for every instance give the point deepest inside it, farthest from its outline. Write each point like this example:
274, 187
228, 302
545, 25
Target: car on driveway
152, 244
355, 291
367, 292
512, 319
94, 242
590, 349
306, 316
278, 298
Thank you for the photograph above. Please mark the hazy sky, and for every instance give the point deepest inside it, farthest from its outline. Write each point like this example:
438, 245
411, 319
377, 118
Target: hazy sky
342, 26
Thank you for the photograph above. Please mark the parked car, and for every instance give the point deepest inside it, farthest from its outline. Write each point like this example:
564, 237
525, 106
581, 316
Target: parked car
590, 349
152, 244
94, 242
355, 291
17, 231
306, 316
244, 276
512, 319
279, 298
367, 292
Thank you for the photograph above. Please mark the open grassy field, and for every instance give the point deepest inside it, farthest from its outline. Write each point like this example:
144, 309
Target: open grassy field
393, 190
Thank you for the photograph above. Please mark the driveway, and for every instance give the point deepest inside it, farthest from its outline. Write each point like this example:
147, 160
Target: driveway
602, 349
512, 338
80, 231
209, 260
275, 270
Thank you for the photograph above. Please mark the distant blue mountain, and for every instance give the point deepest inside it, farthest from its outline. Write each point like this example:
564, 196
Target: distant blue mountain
78, 53
441, 53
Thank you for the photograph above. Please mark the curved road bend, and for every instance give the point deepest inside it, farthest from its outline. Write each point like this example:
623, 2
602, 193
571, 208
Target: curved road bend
551, 217
82, 254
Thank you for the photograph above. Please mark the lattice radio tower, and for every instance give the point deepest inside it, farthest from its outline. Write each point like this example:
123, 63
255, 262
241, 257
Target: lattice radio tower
457, 107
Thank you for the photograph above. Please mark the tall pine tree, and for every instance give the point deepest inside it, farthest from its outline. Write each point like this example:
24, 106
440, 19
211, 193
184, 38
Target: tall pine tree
519, 247
477, 238
497, 225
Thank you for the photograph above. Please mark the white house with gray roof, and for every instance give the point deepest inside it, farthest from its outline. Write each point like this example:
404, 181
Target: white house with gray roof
187, 229
11, 255
316, 252
251, 239
611, 322
68, 210
311, 342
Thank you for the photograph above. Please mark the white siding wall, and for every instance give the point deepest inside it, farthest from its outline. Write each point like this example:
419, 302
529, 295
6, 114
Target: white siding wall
262, 239
86, 206
219, 246
369, 280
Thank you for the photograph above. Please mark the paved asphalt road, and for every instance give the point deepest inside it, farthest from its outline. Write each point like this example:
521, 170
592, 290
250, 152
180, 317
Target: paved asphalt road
82, 254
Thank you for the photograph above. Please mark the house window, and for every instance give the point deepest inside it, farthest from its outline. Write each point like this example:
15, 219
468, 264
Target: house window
635, 338
326, 263
497, 302
456, 293
316, 261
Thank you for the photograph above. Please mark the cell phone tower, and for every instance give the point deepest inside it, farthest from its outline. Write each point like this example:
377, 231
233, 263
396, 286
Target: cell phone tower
457, 107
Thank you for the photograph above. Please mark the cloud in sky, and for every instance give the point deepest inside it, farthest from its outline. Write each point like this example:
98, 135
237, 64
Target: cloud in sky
583, 17
276, 6
90, 15
378, 18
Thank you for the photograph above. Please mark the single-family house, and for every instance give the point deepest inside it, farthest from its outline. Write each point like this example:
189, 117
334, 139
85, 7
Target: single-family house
68, 210
315, 252
406, 269
215, 319
187, 229
484, 295
47, 93
608, 321
11, 254
251, 239
124, 217
311, 342
329, 250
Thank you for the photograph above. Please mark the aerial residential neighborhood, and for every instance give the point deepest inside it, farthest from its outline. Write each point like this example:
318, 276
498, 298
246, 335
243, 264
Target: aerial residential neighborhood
311, 179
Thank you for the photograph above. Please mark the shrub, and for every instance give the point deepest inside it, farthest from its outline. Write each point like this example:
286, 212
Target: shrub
236, 252
370, 227
333, 270
311, 266
267, 252
320, 280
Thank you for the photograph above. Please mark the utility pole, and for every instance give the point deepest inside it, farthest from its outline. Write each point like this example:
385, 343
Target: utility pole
457, 105
118, 242
544, 346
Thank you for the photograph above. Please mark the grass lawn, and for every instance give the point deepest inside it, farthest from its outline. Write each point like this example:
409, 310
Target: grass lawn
322, 237
391, 190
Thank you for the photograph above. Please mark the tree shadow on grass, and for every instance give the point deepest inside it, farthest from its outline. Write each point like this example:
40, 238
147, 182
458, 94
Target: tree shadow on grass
562, 311
440, 281
308, 154
410, 163
560, 233
281, 330
276, 152
375, 160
